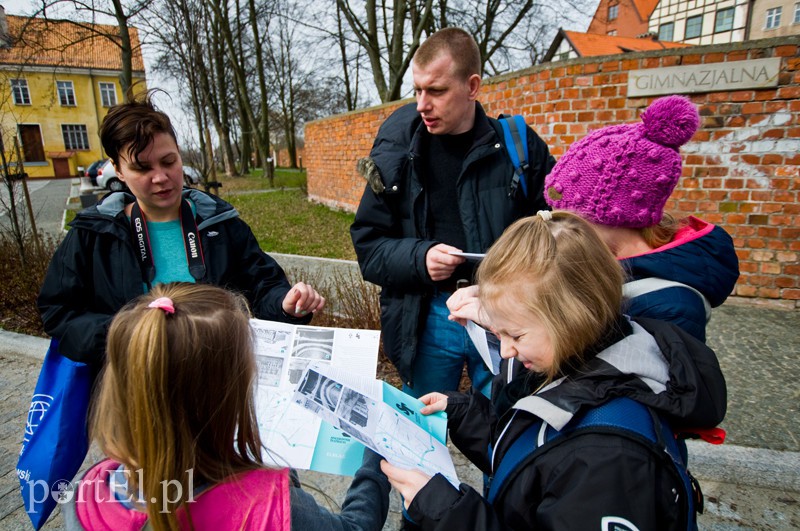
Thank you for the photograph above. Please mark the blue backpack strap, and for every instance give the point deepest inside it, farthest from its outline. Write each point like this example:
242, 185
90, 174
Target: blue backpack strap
515, 135
619, 414
519, 450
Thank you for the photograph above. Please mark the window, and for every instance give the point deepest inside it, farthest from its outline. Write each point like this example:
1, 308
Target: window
665, 31
75, 137
66, 93
19, 88
773, 18
108, 94
797, 13
694, 26
31, 138
724, 20
612, 33
613, 11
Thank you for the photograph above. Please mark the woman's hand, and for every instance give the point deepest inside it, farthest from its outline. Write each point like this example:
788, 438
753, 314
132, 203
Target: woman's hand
301, 300
465, 305
434, 402
407, 482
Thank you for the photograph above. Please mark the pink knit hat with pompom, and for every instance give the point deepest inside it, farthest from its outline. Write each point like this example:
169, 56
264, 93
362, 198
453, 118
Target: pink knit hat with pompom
622, 175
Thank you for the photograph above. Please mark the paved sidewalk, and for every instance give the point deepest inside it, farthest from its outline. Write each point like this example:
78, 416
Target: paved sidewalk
750, 482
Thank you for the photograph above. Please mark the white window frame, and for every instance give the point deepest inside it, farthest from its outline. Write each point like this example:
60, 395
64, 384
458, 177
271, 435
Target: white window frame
66, 93
613, 12
700, 30
796, 13
108, 94
20, 91
76, 137
773, 18
727, 11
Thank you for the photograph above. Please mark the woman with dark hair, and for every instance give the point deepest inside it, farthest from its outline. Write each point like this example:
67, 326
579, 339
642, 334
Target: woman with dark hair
153, 233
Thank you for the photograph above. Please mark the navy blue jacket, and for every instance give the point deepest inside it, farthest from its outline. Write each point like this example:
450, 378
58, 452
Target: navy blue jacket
702, 256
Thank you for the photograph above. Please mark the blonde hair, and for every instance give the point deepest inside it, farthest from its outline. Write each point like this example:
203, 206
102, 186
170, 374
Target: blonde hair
456, 43
662, 233
177, 393
563, 274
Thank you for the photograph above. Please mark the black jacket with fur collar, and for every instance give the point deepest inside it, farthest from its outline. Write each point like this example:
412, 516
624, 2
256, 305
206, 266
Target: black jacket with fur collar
390, 232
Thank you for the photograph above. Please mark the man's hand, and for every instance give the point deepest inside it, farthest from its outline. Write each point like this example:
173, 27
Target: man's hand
301, 300
440, 263
407, 482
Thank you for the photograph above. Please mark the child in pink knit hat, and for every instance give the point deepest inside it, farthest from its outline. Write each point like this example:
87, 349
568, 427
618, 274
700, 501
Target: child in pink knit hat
619, 179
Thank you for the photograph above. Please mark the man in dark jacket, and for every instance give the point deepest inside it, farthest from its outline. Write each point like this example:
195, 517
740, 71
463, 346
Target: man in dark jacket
440, 181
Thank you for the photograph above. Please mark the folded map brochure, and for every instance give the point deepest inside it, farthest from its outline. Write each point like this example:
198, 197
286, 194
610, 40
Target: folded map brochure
383, 418
294, 436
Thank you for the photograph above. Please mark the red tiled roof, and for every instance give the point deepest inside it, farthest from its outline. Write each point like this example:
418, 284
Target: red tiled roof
63, 43
589, 44
645, 8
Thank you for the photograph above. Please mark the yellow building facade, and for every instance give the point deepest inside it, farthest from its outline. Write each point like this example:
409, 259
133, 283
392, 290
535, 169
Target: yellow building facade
57, 82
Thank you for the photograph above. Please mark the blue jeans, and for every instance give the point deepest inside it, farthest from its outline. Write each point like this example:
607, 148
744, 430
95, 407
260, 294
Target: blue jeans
443, 348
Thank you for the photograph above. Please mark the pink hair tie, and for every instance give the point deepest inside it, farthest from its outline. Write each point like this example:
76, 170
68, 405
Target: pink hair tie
163, 303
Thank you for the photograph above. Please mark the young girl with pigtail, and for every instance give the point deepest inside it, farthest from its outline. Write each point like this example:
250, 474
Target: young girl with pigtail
176, 417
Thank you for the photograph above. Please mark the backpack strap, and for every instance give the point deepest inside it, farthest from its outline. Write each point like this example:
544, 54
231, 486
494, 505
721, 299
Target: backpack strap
620, 415
515, 135
635, 288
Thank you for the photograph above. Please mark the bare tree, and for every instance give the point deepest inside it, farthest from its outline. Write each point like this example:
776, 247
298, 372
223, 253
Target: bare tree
389, 33
511, 34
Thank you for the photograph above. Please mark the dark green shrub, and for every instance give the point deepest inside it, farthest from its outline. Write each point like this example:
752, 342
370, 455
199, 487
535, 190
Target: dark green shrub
22, 275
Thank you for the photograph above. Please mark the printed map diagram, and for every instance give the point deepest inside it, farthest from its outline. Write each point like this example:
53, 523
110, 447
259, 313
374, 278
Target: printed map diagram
294, 436
407, 446
383, 418
288, 432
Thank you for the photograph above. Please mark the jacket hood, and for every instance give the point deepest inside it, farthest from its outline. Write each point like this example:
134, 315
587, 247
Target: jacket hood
208, 210
701, 255
658, 365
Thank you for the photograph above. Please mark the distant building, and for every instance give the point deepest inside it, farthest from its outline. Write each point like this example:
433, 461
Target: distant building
700, 22
619, 24
57, 81
622, 18
774, 18
573, 44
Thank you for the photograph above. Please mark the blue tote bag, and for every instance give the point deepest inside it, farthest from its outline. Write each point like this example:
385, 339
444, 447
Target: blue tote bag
56, 438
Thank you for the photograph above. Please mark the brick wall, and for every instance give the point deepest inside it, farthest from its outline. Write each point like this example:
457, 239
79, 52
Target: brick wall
740, 169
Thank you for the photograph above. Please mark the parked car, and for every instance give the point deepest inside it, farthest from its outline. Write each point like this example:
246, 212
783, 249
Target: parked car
92, 170
191, 175
107, 178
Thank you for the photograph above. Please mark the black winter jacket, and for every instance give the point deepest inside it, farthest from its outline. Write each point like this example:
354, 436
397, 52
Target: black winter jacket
588, 476
95, 271
390, 232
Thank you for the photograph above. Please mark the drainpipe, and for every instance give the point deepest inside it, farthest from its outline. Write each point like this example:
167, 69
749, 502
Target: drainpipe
749, 23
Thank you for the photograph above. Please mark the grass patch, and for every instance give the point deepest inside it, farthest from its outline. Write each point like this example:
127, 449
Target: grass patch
255, 180
284, 221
